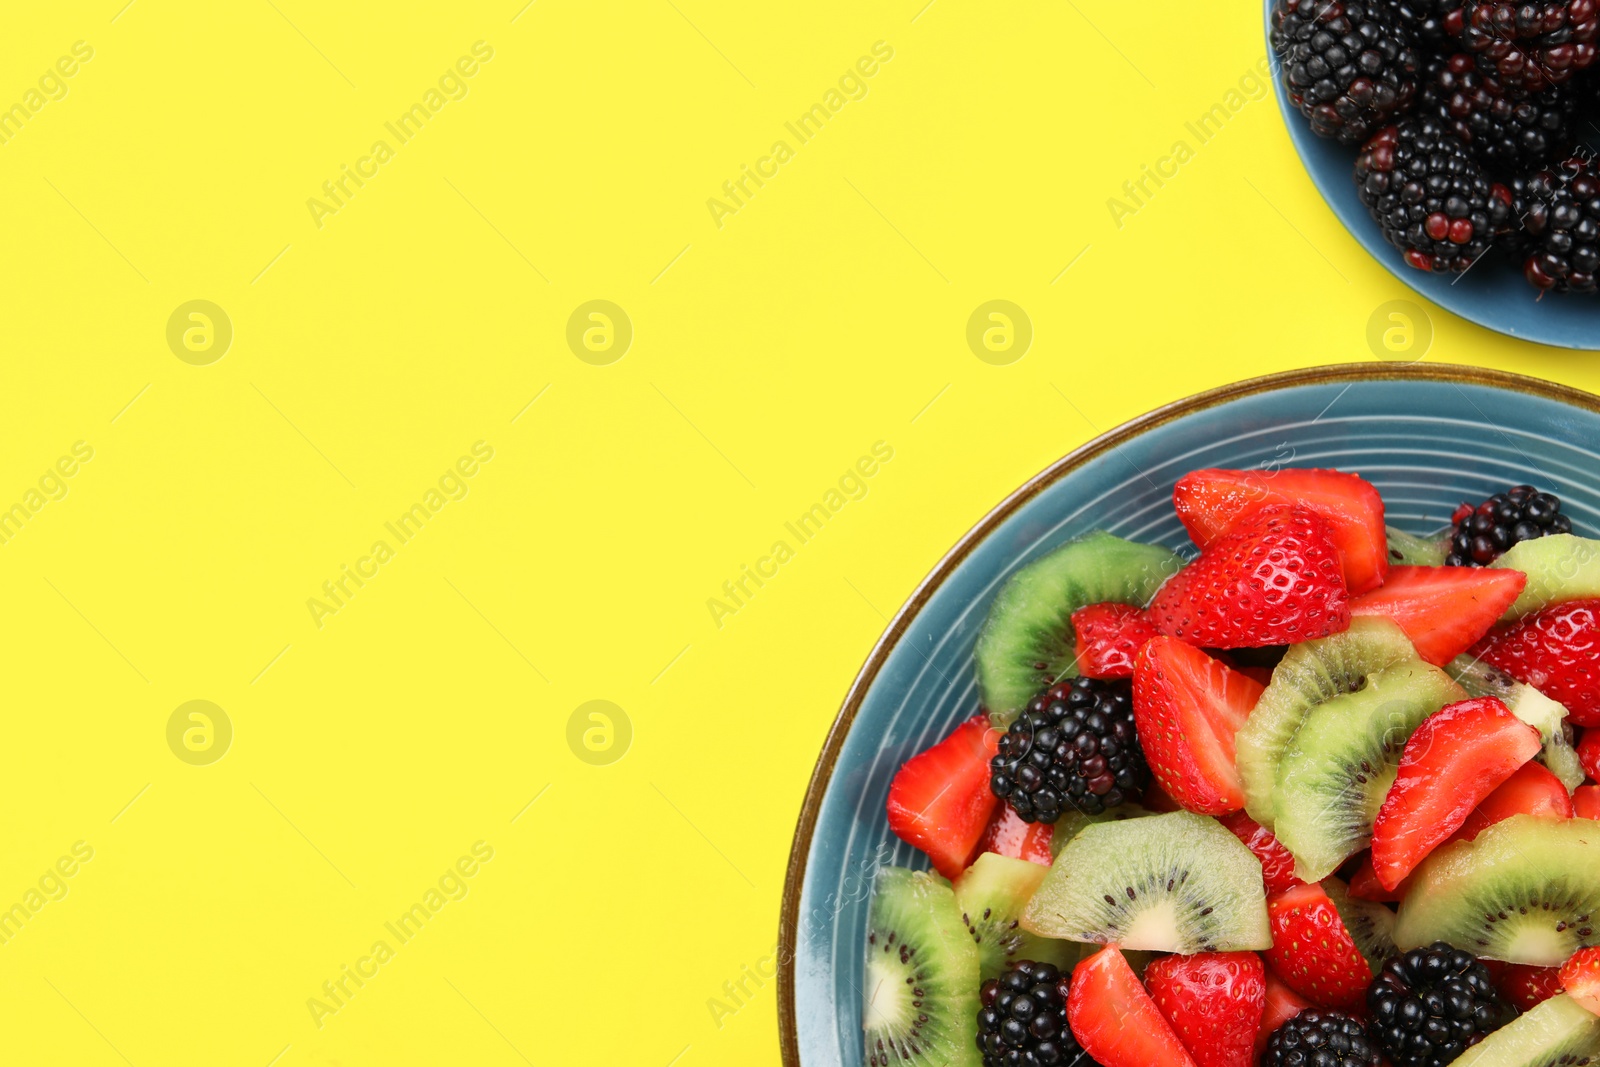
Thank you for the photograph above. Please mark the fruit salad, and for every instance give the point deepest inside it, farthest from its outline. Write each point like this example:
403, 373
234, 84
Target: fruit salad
1318, 793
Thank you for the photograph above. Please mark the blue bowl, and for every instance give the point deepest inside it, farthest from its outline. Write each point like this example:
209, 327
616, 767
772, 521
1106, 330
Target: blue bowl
1428, 436
1492, 294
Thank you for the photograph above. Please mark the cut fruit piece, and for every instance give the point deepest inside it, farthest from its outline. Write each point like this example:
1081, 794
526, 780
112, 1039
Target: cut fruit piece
1586, 802
1532, 790
1451, 764
1442, 609
1114, 1019
1307, 675
1525, 891
1277, 864
1169, 883
921, 976
1408, 550
1559, 567
1027, 643
1072, 823
1108, 638
1338, 768
1479, 679
991, 895
1009, 834
1589, 752
1369, 924
1364, 885
1554, 650
1211, 502
1558, 1033
1580, 977
1272, 579
1214, 1001
1282, 1005
1188, 707
940, 800
1312, 950
1525, 988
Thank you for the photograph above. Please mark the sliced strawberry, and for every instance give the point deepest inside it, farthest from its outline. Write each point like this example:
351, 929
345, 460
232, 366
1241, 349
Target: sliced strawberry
1443, 609
1214, 1000
1580, 977
1277, 863
1364, 885
1109, 637
1209, 502
1188, 707
1282, 1005
940, 800
1586, 802
1313, 952
1557, 651
1532, 790
1524, 986
1272, 579
1010, 834
1454, 760
1114, 1019
1589, 752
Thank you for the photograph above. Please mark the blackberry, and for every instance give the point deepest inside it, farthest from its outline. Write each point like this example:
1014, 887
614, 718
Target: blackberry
1320, 1039
1347, 64
1560, 216
1483, 531
1507, 131
1074, 748
1432, 1004
1432, 199
1022, 1018
1532, 44
1432, 21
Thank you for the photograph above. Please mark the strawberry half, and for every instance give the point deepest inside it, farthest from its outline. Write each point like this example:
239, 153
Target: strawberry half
1364, 885
1214, 1000
1108, 638
1589, 753
1210, 502
1524, 986
1188, 707
1586, 802
1557, 651
1580, 977
1272, 579
1452, 762
1313, 952
940, 800
1282, 1005
1277, 862
1114, 1019
1443, 609
1532, 790
1010, 834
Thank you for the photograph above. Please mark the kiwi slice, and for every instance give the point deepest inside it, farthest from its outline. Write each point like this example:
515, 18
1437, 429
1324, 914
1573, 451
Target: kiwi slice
1559, 567
1343, 759
1309, 674
1027, 643
1532, 707
1559, 1032
1526, 890
991, 894
1073, 822
1371, 925
1177, 882
1408, 550
921, 992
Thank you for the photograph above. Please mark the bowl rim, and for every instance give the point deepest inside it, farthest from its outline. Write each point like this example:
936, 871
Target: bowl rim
822, 774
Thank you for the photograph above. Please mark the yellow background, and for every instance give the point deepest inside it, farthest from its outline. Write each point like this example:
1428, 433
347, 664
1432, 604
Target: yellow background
768, 354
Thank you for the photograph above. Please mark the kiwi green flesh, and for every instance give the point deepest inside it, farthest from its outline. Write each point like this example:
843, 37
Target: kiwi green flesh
1526, 890
1308, 674
1027, 642
1342, 761
1408, 550
1371, 925
991, 895
1559, 567
1559, 1032
1177, 882
1072, 823
1532, 707
921, 981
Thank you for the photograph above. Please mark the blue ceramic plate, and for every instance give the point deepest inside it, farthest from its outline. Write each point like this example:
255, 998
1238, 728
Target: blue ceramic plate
1492, 294
1428, 436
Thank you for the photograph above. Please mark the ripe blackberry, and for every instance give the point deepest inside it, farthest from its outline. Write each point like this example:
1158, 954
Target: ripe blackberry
1074, 748
1532, 44
1508, 132
1347, 64
1560, 217
1432, 199
1432, 21
1022, 1018
1483, 531
1320, 1039
1432, 1004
